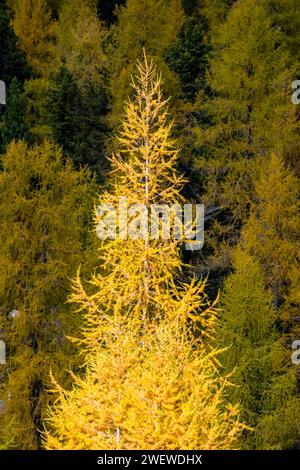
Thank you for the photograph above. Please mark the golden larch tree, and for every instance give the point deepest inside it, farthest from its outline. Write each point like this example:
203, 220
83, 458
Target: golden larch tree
136, 280
149, 383
159, 393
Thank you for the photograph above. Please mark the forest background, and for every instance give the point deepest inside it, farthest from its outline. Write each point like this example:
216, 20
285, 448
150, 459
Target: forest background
228, 67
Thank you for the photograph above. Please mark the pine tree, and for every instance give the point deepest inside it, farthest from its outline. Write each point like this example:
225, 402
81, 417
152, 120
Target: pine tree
35, 29
265, 383
73, 41
144, 173
43, 235
149, 384
13, 124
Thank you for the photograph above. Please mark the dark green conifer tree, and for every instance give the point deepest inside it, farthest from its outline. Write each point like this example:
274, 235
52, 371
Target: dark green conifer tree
12, 60
188, 56
76, 119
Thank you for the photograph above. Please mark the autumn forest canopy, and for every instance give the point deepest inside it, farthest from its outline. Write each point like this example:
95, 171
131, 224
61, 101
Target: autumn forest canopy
131, 342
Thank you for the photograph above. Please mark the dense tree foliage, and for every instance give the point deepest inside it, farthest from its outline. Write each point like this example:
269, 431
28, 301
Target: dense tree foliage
76, 120
160, 392
272, 230
35, 29
228, 68
12, 60
134, 30
251, 114
44, 218
188, 56
13, 125
265, 385
152, 395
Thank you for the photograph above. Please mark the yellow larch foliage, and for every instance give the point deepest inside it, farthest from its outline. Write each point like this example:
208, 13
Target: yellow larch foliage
79, 39
272, 231
149, 383
154, 393
136, 281
35, 30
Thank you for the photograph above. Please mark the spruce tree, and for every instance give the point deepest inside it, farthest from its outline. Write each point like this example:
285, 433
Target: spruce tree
44, 231
72, 41
149, 383
188, 56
